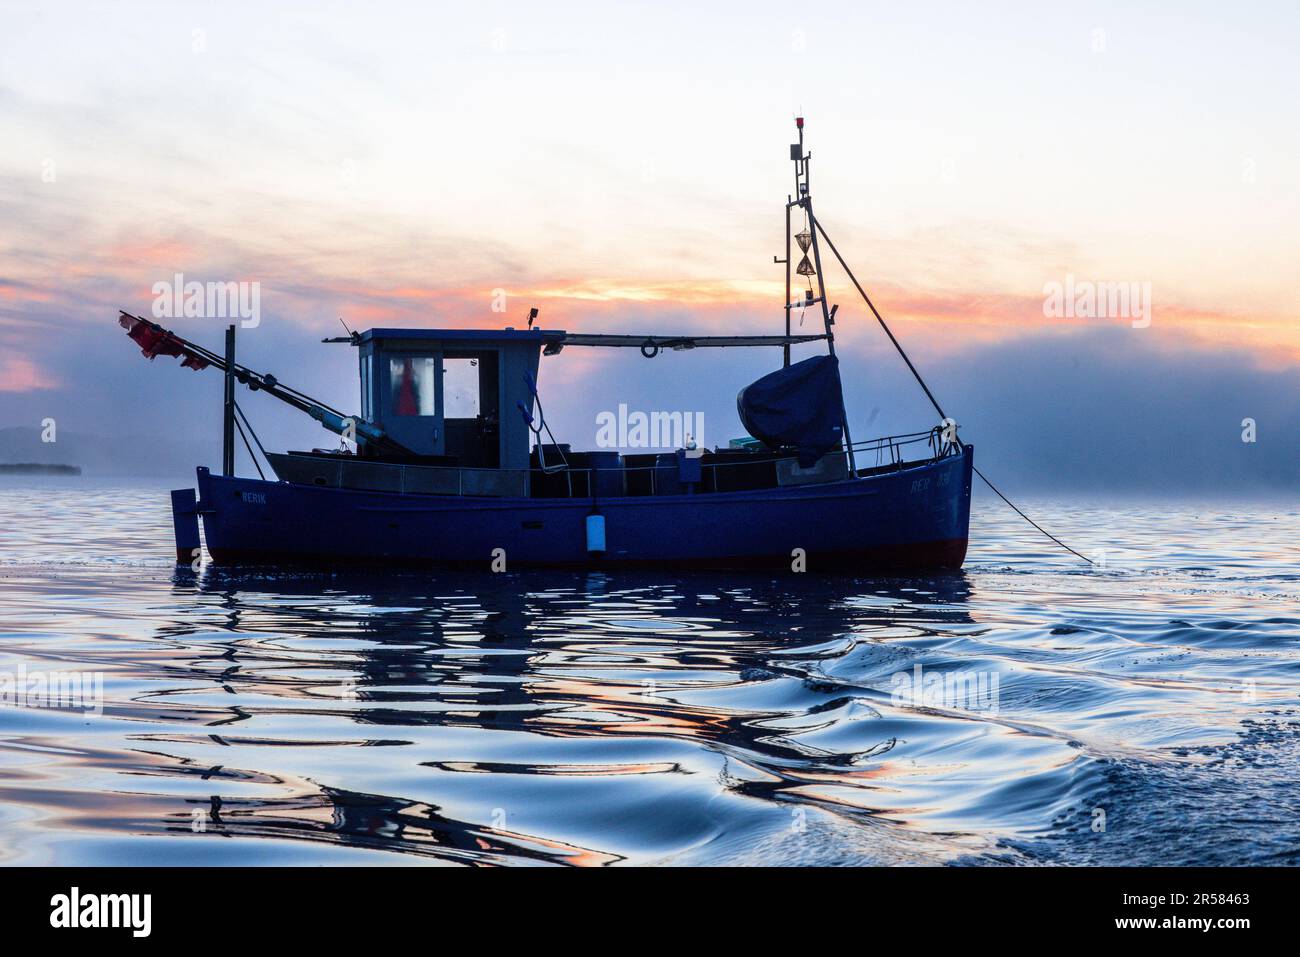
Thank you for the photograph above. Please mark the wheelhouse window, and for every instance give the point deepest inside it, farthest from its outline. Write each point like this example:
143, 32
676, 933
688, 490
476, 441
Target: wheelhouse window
411, 379
367, 365
460, 388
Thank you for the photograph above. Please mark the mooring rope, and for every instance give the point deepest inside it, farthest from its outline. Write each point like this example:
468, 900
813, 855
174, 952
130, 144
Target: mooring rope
1030, 520
930, 395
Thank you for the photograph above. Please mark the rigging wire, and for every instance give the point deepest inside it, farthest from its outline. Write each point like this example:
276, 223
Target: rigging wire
255, 439
930, 395
250, 451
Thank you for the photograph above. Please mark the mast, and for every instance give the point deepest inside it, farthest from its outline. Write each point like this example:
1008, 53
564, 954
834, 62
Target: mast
808, 241
228, 408
786, 260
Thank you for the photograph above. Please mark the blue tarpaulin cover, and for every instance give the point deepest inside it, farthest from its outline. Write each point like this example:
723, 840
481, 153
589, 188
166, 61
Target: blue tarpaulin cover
799, 406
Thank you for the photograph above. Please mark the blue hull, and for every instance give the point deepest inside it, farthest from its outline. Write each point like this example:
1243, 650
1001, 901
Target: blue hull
915, 518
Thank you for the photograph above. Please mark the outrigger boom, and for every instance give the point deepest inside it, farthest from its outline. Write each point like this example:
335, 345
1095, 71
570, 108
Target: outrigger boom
154, 340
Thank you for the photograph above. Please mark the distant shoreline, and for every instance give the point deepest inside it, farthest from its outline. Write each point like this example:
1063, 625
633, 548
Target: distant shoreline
35, 468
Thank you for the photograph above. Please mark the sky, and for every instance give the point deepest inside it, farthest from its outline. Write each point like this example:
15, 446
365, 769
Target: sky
624, 166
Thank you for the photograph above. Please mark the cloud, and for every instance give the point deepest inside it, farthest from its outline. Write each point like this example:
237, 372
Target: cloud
1101, 406
1109, 409
397, 181
20, 374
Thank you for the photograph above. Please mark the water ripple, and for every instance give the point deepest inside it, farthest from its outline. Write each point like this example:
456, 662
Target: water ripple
1024, 711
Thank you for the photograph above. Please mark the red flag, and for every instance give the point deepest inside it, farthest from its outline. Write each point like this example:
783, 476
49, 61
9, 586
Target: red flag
145, 334
166, 346
157, 341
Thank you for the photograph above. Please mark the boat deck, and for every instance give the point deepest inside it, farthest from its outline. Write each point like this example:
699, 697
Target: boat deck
604, 475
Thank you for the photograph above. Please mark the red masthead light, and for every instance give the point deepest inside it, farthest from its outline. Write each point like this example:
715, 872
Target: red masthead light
798, 121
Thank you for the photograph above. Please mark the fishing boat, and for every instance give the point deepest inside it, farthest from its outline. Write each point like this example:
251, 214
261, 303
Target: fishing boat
446, 462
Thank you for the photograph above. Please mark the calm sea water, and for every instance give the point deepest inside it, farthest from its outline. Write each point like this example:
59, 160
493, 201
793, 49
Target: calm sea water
1143, 712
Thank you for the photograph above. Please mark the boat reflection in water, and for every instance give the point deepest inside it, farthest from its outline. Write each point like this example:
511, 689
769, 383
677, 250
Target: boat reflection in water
568, 718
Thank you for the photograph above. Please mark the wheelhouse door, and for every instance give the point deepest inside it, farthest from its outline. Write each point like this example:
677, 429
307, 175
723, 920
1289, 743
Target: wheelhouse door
471, 407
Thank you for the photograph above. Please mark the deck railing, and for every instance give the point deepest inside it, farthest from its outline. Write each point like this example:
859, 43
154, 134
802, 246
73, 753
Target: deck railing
870, 457
890, 453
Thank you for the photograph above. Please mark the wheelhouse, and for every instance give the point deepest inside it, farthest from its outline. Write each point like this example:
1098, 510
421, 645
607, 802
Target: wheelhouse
451, 396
